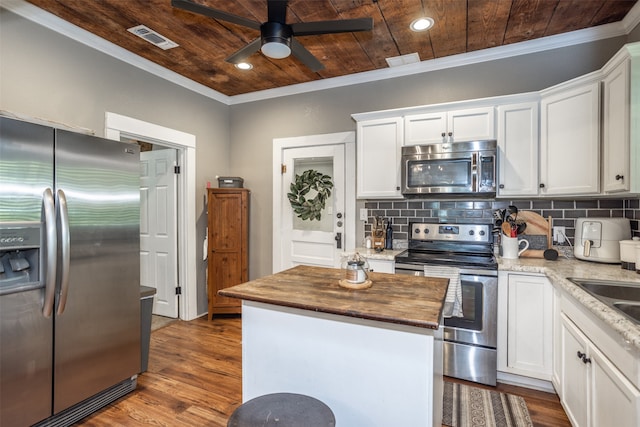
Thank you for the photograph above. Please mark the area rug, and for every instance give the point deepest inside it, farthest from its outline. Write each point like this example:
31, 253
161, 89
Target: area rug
467, 406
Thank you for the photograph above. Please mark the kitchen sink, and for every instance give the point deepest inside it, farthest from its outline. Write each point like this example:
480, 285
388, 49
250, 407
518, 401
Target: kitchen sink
621, 296
631, 310
627, 291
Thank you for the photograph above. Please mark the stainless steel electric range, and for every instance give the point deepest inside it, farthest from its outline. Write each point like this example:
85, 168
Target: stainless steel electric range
469, 341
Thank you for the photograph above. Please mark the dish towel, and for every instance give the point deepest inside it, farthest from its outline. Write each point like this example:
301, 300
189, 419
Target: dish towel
453, 300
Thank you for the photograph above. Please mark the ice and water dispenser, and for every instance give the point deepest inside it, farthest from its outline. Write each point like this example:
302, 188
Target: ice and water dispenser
19, 257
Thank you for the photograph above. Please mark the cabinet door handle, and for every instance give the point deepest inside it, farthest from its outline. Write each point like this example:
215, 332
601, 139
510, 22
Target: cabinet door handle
541, 185
583, 356
501, 186
619, 177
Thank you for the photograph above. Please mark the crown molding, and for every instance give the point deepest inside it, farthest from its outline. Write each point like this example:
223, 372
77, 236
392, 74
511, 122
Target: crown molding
632, 19
52, 22
485, 55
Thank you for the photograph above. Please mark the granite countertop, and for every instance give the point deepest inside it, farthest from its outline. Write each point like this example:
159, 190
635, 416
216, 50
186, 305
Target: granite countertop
558, 271
405, 300
385, 255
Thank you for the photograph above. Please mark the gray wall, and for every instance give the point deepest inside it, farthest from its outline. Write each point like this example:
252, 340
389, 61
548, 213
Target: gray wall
48, 76
255, 125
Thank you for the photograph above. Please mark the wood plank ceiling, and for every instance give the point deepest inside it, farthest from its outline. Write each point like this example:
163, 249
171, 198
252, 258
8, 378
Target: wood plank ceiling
460, 26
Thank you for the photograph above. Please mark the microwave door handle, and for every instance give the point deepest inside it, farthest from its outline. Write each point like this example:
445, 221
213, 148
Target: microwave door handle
474, 172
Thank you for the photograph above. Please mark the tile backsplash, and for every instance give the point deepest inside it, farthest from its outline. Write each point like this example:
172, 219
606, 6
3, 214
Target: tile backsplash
563, 212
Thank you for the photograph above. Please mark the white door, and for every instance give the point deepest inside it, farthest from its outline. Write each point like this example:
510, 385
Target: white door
313, 242
158, 236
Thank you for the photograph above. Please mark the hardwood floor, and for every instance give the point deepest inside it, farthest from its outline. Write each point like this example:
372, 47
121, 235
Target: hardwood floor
195, 379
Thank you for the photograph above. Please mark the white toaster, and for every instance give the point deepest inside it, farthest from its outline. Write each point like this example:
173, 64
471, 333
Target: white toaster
598, 239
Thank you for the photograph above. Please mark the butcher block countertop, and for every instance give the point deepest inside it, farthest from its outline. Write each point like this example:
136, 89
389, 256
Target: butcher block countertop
404, 300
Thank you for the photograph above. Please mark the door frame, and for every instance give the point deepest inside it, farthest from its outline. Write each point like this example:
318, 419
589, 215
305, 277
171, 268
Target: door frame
116, 126
348, 139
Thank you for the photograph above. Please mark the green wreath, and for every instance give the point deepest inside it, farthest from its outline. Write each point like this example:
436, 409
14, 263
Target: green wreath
309, 180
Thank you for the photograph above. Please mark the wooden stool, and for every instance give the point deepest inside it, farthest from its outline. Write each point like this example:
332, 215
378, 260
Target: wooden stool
282, 410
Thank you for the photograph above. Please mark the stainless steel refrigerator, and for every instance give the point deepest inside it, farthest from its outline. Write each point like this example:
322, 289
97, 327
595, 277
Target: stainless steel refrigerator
69, 273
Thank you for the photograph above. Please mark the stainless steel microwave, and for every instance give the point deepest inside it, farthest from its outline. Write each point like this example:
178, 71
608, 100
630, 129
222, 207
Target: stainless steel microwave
455, 168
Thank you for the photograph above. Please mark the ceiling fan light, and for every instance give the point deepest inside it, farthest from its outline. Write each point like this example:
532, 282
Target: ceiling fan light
275, 50
421, 24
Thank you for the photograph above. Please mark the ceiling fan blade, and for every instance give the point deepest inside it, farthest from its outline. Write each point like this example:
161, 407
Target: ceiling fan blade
305, 56
277, 11
215, 13
245, 52
329, 27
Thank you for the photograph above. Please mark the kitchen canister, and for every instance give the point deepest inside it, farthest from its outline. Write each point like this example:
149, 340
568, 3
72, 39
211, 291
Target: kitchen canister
628, 249
355, 273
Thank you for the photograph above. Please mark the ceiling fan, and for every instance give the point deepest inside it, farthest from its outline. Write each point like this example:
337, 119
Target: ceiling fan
276, 36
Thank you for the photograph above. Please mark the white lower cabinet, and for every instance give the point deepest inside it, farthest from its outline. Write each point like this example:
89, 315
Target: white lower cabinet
529, 325
594, 392
381, 266
573, 380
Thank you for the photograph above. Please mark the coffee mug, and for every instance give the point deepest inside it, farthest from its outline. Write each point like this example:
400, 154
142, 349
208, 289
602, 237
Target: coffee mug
512, 248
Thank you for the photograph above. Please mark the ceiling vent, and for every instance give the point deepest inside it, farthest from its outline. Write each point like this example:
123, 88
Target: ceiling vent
397, 61
153, 37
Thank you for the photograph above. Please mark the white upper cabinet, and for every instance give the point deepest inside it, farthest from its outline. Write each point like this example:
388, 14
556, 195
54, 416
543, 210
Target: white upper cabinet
620, 122
615, 129
518, 138
378, 144
570, 138
427, 128
449, 126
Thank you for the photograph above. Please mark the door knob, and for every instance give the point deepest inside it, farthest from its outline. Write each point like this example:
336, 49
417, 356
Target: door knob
338, 239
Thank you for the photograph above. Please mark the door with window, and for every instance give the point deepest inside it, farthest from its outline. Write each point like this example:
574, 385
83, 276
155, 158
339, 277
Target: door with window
318, 241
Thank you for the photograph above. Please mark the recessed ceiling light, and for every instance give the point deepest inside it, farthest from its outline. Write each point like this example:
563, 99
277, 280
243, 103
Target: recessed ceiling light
421, 24
244, 66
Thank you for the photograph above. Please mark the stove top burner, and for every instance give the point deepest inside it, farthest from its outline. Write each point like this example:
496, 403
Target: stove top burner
467, 260
457, 245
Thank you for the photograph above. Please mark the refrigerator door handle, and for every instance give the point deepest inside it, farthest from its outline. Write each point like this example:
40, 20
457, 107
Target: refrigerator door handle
64, 251
51, 252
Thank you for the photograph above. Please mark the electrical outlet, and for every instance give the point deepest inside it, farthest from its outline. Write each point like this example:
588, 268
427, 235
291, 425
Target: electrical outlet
558, 234
364, 214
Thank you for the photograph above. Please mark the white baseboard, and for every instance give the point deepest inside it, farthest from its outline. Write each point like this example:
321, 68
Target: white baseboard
527, 382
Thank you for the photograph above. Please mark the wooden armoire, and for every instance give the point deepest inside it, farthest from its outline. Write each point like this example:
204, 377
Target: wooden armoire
228, 258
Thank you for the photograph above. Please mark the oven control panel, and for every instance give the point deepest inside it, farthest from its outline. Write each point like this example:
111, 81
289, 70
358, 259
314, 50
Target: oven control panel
452, 232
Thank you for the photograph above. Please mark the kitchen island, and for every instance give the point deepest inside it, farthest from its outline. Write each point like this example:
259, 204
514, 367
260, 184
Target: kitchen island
374, 356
